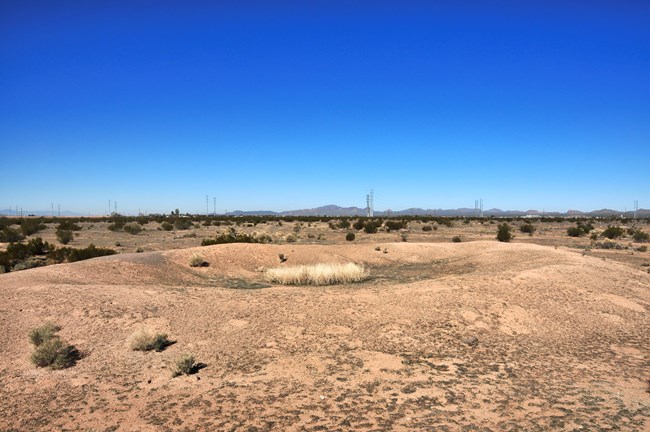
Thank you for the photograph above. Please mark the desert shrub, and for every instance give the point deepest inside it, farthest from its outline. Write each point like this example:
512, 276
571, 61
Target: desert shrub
394, 225
427, 228
182, 224
290, 238
197, 260
31, 226
146, 340
207, 223
359, 224
9, 234
317, 274
166, 226
29, 264
344, 224
55, 353
594, 236
68, 225
186, 365
612, 232
607, 245
456, 239
504, 233
527, 228
575, 232
232, 236
446, 222
585, 226
118, 244
282, 257
404, 236
72, 255
640, 236
371, 227
64, 236
350, 236
139, 250
132, 228
643, 248
43, 333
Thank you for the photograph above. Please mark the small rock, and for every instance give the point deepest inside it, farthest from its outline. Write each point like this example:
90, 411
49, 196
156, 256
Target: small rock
471, 341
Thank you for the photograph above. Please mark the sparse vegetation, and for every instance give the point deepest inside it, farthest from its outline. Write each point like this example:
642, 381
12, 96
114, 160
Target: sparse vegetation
147, 340
232, 236
350, 236
612, 232
427, 228
8, 235
640, 237
317, 274
404, 236
456, 239
50, 350
31, 226
186, 365
132, 228
528, 228
64, 236
371, 227
197, 260
504, 233
166, 226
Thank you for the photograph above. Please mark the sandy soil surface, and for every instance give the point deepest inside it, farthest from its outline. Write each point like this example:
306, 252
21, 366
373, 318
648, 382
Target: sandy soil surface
444, 336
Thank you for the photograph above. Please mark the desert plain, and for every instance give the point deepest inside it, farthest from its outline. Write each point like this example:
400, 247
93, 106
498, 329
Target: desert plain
546, 332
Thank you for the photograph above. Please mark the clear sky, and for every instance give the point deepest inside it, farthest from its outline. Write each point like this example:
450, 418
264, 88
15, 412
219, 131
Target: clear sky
158, 104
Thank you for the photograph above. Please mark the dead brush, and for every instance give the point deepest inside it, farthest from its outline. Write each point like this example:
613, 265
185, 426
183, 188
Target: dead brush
317, 274
147, 340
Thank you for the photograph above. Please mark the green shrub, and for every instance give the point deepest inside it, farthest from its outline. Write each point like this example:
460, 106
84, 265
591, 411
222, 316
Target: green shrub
31, 226
427, 228
404, 236
132, 228
182, 224
232, 236
9, 234
640, 236
612, 232
186, 365
68, 226
503, 233
575, 232
344, 224
64, 236
527, 228
118, 225
394, 225
72, 255
350, 236
166, 226
643, 248
359, 224
457, 239
371, 227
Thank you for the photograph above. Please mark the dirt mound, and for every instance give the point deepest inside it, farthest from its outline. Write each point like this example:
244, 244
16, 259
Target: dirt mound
484, 334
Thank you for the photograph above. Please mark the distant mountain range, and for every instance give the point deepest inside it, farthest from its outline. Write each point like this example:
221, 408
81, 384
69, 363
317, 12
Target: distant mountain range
334, 210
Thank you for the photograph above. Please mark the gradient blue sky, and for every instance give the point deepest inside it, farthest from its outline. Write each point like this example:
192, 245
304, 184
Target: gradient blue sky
157, 104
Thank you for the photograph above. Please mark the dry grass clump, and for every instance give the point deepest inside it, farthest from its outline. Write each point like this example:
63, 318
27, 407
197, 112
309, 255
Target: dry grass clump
186, 365
317, 274
197, 261
50, 350
146, 340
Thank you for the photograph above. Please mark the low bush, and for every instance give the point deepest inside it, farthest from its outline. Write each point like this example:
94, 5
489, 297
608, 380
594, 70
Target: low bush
186, 365
394, 225
359, 224
527, 228
575, 232
232, 236
612, 232
456, 239
64, 236
427, 228
640, 236
371, 227
68, 225
132, 228
503, 233
50, 350
72, 255
182, 224
344, 224
31, 226
404, 236
197, 260
146, 340
166, 226
8, 235
643, 248
317, 274
350, 236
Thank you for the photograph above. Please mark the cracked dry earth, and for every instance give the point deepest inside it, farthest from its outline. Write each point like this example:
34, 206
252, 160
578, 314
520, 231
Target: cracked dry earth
479, 336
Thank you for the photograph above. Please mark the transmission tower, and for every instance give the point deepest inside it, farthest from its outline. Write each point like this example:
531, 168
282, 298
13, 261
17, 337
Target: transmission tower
481, 206
214, 205
207, 210
636, 207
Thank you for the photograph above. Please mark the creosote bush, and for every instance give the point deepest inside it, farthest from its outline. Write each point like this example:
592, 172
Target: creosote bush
456, 239
427, 228
232, 236
146, 340
613, 232
166, 226
640, 236
43, 333
350, 236
132, 228
64, 236
503, 233
527, 228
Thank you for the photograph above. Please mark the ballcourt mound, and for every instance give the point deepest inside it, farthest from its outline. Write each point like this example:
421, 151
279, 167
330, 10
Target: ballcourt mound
467, 336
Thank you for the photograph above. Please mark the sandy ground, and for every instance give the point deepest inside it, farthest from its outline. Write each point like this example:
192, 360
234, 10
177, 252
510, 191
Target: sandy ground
472, 336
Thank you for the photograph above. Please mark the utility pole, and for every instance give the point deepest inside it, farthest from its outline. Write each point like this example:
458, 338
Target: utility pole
109, 207
59, 210
214, 206
207, 210
51, 211
636, 207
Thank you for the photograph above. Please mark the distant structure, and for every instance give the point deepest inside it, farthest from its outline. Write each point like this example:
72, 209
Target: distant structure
207, 208
370, 198
478, 208
636, 207
214, 205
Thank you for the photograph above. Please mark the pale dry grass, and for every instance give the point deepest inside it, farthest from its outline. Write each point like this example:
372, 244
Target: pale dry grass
147, 340
317, 274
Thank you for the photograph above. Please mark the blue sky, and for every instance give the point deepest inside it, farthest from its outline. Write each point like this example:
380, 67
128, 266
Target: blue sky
157, 105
